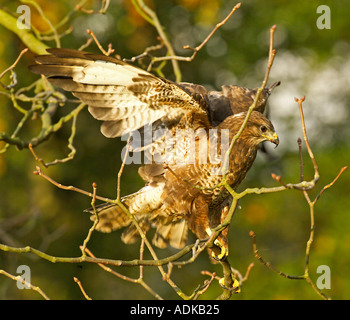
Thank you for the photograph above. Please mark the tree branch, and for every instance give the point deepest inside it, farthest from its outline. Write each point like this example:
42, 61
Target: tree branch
25, 35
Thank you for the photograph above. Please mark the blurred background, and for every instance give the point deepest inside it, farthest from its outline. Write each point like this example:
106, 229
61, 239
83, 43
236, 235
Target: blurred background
310, 62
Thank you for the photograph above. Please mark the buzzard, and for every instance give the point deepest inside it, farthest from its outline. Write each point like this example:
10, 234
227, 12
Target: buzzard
177, 194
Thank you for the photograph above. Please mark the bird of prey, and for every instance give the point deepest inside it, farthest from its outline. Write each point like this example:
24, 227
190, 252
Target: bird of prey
177, 195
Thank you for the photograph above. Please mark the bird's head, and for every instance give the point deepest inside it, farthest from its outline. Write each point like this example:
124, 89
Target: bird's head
262, 129
257, 130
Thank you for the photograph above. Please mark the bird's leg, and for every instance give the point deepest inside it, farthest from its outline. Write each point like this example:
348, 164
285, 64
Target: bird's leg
199, 222
218, 218
219, 245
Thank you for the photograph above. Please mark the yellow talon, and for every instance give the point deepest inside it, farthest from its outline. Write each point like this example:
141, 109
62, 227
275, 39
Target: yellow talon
223, 250
235, 285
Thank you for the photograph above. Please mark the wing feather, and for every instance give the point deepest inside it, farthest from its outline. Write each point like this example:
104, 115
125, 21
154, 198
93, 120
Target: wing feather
125, 97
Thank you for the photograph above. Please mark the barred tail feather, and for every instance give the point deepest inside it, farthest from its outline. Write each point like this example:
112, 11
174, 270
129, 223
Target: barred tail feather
174, 233
110, 217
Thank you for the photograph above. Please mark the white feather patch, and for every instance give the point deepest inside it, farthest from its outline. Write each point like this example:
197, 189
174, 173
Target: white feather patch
107, 73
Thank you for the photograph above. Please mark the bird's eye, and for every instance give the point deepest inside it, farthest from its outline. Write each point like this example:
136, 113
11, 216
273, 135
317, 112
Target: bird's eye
263, 129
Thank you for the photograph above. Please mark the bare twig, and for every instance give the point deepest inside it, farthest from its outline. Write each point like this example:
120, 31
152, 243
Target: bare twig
93, 227
205, 286
113, 262
305, 276
312, 218
331, 183
104, 6
278, 178
47, 128
272, 53
109, 50
311, 155
122, 166
70, 146
173, 57
81, 288
301, 160
10, 68
42, 14
246, 276
123, 277
219, 25
267, 264
72, 188
86, 44
26, 283
150, 16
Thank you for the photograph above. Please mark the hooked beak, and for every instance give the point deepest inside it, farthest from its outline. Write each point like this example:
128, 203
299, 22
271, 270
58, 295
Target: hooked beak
273, 138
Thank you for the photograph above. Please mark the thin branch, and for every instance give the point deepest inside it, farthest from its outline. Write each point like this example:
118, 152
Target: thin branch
66, 18
26, 283
199, 47
272, 53
142, 249
81, 259
104, 6
109, 50
219, 25
86, 44
70, 146
247, 273
267, 264
123, 277
122, 166
81, 288
72, 188
47, 129
42, 14
311, 155
305, 276
156, 262
9, 140
93, 227
304, 186
10, 68
311, 235
331, 183
278, 178
150, 16
301, 160
205, 286
25, 35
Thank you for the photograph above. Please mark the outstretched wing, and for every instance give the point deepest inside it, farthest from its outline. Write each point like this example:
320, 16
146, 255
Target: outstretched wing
124, 97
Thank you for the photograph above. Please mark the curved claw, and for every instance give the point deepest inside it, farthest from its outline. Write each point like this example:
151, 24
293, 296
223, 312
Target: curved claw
223, 251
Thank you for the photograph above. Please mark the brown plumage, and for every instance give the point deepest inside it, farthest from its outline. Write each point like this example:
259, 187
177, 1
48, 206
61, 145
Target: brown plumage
231, 100
169, 199
180, 195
